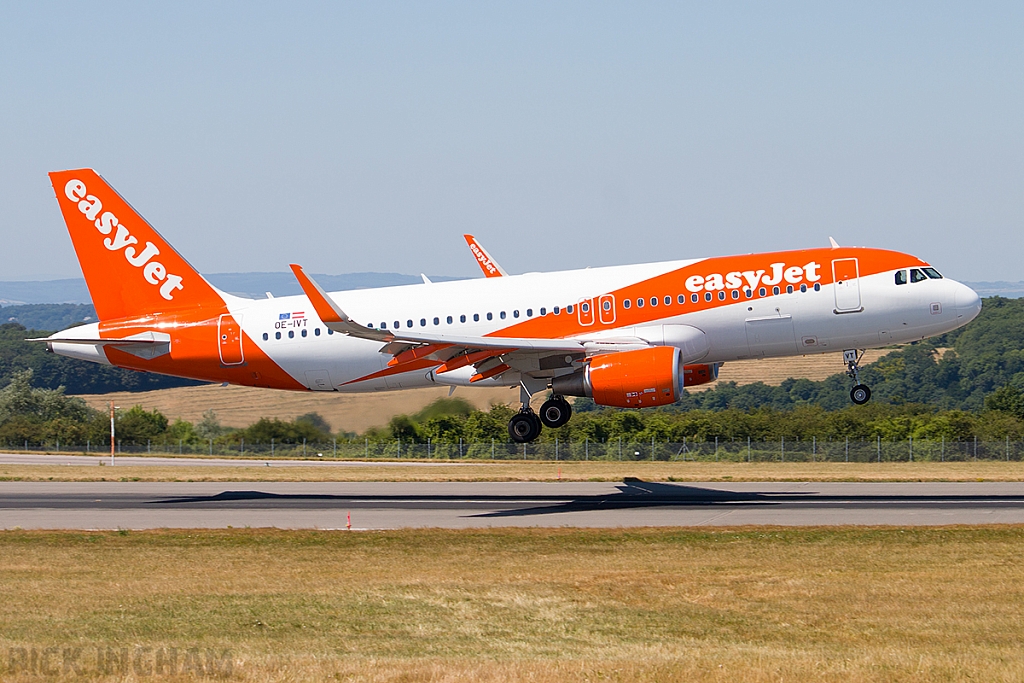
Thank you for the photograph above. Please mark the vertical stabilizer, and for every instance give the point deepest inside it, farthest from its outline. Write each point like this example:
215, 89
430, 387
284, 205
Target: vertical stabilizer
129, 268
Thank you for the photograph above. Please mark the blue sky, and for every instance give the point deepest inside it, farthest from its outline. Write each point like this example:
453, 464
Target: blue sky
353, 137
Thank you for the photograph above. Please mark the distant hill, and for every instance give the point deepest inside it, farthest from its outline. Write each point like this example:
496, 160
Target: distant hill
1007, 290
252, 285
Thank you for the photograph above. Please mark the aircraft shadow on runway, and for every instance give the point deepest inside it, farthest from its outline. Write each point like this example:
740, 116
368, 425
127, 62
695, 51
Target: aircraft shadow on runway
632, 493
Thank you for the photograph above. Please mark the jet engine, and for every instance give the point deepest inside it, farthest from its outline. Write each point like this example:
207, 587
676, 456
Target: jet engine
643, 378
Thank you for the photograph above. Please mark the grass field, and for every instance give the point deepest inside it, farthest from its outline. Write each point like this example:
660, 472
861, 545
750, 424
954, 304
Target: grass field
982, 470
241, 406
849, 605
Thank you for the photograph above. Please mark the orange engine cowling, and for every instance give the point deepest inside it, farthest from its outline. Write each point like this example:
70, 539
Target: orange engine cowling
702, 373
630, 379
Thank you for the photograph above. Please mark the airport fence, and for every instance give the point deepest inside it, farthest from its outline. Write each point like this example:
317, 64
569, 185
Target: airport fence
783, 450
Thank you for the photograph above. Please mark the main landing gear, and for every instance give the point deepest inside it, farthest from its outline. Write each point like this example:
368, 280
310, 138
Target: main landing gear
860, 394
525, 425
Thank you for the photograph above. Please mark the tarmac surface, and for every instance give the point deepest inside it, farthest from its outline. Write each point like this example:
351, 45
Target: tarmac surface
384, 505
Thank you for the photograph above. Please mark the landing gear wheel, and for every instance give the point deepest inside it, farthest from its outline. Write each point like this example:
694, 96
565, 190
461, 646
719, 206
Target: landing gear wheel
524, 427
860, 394
555, 412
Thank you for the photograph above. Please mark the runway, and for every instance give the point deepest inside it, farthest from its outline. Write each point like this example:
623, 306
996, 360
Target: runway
387, 505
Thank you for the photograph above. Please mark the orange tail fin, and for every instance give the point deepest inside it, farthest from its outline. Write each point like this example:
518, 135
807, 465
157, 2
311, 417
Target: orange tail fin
129, 268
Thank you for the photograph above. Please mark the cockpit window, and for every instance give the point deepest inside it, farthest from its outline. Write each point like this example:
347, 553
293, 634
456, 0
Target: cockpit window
901, 277
932, 273
917, 276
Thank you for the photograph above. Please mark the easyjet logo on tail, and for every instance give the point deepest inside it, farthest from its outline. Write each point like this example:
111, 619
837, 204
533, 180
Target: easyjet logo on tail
751, 279
482, 258
154, 272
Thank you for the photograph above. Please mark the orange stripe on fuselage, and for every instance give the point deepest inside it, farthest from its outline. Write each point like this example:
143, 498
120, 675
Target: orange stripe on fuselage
551, 326
195, 351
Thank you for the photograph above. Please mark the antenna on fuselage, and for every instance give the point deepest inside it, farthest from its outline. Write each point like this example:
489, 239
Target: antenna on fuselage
835, 245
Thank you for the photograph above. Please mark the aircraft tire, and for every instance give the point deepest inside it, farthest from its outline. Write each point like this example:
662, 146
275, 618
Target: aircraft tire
860, 394
524, 427
555, 412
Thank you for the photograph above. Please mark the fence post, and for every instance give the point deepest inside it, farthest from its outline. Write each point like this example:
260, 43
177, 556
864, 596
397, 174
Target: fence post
149, 447
814, 447
335, 439
748, 449
428, 448
716, 449
847, 449
586, 448
620, 448
366, 451
783, 449
211, 446
179, 446
460, 448
652, 449
911, 449
399, 443
975, 449
242, 445
942, 449
492, 448
556, 449
879, 437
1007, 448
88, 445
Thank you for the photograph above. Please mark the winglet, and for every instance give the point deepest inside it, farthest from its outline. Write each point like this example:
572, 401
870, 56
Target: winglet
483, 259
835, 245
330, 313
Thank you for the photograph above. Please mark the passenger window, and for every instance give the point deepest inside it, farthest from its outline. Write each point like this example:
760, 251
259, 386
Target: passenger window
639, 303
749, 293
408, 323
490, 316
694, 298
762, 292
901, 277
423, 322
585, 306
607, 305
789, 289
654, 301
932, 273
291, 334
515, 314
803, 288
266, 336
917, 276
681, 299
735, 294
437, 321
707, 296
277, 335
817, 287
556, 310
529, 312
568, 309
543, 311
721, 296
626, 303
462, 318
775, 290
398, 325
502, 315
330, 331
449, 319
476, 317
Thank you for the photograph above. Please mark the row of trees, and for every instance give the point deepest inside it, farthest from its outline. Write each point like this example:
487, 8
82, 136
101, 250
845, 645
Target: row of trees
38, 416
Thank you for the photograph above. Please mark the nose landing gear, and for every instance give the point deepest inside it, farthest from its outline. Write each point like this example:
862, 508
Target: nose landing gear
861, 393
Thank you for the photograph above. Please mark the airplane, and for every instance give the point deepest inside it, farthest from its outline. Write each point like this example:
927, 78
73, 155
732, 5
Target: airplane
631, 336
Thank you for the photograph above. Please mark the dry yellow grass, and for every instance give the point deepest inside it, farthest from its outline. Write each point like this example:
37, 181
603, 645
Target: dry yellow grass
761, 604
241, 406
538, 471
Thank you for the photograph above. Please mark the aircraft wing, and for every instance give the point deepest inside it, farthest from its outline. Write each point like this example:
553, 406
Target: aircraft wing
491, 356
483, 259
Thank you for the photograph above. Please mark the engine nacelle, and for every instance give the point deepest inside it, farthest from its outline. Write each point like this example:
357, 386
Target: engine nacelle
701, 373
643, 378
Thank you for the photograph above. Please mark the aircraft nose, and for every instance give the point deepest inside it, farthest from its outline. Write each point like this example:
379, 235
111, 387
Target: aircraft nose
967, 302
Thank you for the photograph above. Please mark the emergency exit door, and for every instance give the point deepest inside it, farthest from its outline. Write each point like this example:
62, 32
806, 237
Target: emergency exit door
229, 338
